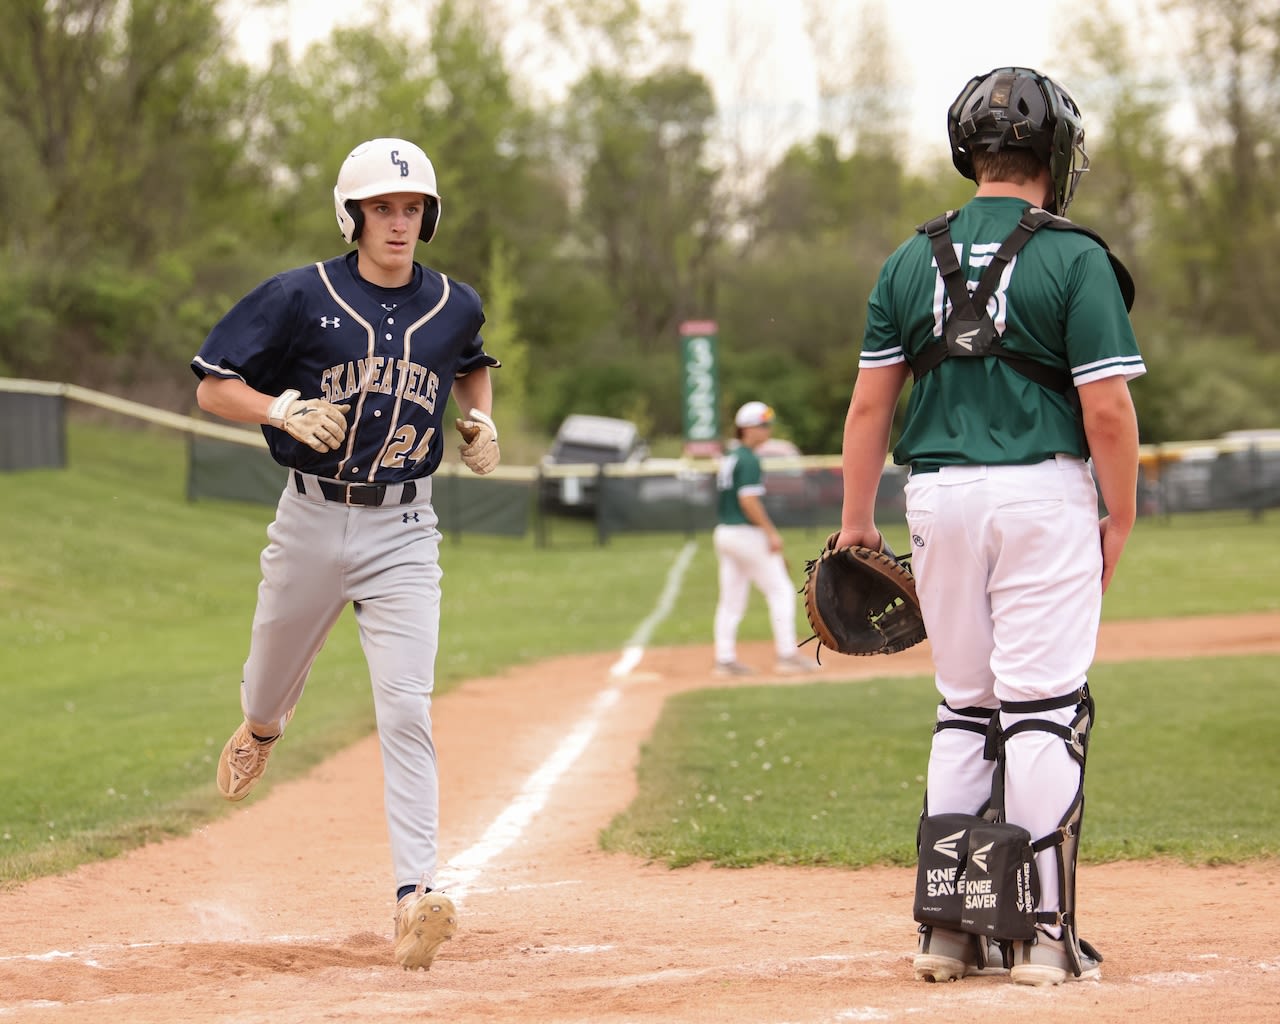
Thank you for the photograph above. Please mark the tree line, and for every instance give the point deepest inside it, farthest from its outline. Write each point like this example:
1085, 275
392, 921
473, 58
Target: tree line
152, 176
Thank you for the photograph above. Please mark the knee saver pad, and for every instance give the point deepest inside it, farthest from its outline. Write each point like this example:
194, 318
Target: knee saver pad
977, 876
943, 848
1001, 885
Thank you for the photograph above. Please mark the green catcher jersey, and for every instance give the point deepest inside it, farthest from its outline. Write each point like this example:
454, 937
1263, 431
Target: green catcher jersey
1057, 303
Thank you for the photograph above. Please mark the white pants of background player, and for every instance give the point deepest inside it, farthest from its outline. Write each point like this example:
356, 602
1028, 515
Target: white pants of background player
1008, 567
383, 561
745, 559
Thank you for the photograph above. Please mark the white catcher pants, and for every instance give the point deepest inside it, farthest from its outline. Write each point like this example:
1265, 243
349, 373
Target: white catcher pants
745, 559
1008, 567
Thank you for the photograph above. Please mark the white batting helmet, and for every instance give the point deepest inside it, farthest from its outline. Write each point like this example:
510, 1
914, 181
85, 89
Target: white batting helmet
381, 167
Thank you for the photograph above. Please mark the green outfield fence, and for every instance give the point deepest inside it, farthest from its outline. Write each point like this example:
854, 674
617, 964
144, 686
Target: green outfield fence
1240, 471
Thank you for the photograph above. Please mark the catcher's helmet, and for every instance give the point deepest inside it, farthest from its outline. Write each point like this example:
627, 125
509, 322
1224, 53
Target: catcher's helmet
1019, 108
381, 167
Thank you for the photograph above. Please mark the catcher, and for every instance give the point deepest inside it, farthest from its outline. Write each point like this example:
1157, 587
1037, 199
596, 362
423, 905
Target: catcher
1013, 322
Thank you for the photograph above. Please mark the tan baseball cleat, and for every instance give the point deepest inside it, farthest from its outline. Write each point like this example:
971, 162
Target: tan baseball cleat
243, 761
424, 921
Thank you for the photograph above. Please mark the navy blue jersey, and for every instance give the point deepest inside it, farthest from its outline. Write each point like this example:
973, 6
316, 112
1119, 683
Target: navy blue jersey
391, 353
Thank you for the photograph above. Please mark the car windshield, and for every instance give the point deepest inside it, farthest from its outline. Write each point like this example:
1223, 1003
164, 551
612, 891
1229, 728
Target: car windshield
569, 452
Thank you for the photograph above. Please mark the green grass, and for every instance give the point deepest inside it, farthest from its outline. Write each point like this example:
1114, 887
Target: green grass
1181, 765
125, 611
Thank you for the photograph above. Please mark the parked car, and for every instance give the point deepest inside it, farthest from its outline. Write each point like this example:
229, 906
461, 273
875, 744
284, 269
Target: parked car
582, 444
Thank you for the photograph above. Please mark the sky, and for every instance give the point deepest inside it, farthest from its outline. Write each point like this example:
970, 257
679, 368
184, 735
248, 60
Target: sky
939, 44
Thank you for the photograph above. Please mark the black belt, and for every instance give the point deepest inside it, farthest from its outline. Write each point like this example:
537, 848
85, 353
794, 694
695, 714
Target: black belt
371, 495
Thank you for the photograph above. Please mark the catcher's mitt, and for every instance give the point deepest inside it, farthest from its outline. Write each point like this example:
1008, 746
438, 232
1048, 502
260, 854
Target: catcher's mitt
861, 601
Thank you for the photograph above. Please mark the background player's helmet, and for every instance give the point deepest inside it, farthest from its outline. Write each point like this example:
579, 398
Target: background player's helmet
753, 414
1019, 108
380, 167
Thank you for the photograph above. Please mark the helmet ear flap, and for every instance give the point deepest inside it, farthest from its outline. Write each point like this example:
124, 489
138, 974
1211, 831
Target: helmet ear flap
350, 217
352, 206
430, 218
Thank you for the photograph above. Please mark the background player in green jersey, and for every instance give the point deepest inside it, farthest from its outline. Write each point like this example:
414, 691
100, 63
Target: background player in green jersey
1010, 554
749, 550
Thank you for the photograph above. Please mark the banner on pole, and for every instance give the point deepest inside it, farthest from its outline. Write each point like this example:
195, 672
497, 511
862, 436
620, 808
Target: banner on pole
701, 384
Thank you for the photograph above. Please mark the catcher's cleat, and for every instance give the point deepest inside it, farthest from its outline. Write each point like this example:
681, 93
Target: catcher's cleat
243, 761
1045, 961
947, 955
732, 668
424, 921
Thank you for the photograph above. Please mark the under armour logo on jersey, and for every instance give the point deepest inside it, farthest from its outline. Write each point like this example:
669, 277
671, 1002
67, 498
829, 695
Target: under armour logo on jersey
331, 321
410, 517
402, 164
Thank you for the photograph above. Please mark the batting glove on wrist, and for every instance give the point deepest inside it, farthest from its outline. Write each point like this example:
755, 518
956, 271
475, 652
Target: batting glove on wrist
480, 450
316, 423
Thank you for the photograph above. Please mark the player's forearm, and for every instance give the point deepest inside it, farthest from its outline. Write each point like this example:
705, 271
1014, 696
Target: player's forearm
866, 440
474, 391
1111, 425
1115, 464
754, 511
233, 400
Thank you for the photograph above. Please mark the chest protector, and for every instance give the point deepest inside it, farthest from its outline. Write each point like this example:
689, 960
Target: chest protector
969, 330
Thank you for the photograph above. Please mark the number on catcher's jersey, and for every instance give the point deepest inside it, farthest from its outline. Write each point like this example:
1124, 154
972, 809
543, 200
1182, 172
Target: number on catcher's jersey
979, 258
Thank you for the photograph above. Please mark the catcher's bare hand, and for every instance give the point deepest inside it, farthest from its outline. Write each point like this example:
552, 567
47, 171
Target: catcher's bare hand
872, 539
316, 423
1113, 537
479, 449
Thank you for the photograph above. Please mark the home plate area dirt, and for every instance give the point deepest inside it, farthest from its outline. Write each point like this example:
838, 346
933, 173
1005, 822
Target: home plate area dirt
280, 911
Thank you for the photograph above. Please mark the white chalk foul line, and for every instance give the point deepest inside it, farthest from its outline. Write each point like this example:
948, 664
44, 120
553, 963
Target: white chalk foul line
461, 871
634, 649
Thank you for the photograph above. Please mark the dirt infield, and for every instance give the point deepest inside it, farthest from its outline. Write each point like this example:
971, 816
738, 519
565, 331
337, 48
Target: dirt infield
280, 912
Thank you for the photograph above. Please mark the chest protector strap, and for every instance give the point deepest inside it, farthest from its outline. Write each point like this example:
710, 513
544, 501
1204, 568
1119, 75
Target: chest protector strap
969, 330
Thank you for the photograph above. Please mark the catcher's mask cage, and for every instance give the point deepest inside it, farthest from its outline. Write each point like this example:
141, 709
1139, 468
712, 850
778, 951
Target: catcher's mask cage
382, 167
1019, 108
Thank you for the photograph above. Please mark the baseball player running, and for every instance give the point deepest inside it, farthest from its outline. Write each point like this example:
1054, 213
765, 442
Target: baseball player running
1014, 390
348, 364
